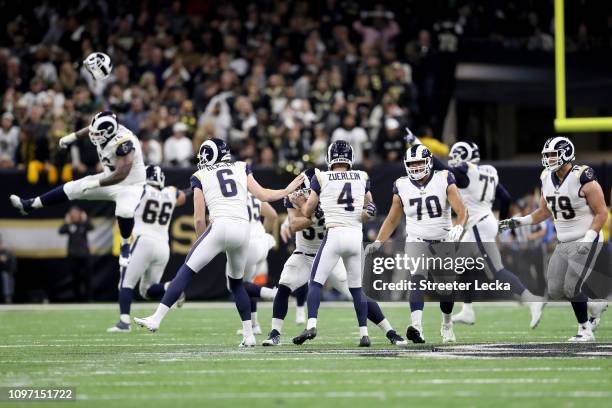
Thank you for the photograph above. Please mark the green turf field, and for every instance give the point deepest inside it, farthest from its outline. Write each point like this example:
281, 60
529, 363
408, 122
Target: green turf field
193, 360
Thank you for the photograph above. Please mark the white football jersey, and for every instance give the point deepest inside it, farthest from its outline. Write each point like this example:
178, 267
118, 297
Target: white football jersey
121, 144
479, 195
309, 239
428, 213
341, 196
254, 210
224, 185
570, 210
153, 214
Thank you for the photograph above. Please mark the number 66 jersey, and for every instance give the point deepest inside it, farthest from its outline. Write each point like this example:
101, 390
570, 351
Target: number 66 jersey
569, 208
153, 214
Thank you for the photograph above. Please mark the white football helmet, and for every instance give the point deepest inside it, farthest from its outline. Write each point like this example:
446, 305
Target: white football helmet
99, 65
213, 151
462, 152
155, 176
418, 154
103, 128
556, 152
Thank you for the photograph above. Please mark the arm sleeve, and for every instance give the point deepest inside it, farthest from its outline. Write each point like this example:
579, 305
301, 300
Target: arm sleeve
195, 183
368, 186
450, 178
587, 175
314, 185
249, 169
125, 148
505, 199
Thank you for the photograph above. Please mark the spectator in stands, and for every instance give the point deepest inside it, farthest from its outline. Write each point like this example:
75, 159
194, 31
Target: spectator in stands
391, 145
8, 269
356, 136
151, 150
9, 140
178, 150
78, 263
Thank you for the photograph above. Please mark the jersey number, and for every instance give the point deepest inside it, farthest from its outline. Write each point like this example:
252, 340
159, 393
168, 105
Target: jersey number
254, 210
152, 212
309, 233
487, 179
227, 185
346, 197
561, 205
434, 209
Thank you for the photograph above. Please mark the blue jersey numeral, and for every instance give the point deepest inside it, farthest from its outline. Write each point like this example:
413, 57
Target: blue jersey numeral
227, 185
346, 197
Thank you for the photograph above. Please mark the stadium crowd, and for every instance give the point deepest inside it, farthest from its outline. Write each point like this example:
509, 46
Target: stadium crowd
276, 79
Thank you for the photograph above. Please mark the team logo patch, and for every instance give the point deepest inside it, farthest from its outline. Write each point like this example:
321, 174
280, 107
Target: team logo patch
588, 173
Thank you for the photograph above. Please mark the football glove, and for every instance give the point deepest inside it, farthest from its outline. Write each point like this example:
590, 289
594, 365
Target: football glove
373, 247
585, 244
67, 140
454, 235
371, 209
515, 222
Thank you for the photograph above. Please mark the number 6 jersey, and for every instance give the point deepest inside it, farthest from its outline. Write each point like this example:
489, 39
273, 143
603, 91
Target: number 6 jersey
569, 208
341, 196
426, 206
153, 214
224, 185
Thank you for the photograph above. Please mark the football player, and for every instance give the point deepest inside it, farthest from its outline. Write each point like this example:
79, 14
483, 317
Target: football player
309, 234
425, 197
221, 185
575, 200
121, 181
262, 217
343, 193
479, 186
150, 250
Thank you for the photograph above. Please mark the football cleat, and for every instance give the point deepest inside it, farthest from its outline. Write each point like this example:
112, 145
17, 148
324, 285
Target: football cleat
120, 328
256, 330
465, 316
396, 339
415, 334
596, 309
447, 333
585, 334
307, 334
24, 206
274, 339
147, 323
536, 313
364, 341
124, 255
248, 342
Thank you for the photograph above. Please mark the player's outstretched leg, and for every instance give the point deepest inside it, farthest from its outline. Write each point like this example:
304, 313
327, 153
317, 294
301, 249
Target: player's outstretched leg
466, 315
596, 307
585, 334
243, 304
314, 301
279, 312
126, 225
51, 197
256, 292
173, 292
376, 316
446, 329
361, 310
535, 303
414, 332
125, 303
300, 300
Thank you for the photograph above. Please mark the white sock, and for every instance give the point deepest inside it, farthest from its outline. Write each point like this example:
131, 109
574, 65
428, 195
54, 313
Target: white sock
527, 296
160, 313
37, 203
385, 326
363, 331
417, 318
299, 311
166, 285
254, 318
446, 318
125, 318
125, 241
268, 293
247, 328
468, 307
277, 324
312, 322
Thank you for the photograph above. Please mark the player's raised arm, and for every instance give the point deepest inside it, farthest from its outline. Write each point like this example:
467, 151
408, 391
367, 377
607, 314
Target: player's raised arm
369, 208
266, 194
67, 140
536, 217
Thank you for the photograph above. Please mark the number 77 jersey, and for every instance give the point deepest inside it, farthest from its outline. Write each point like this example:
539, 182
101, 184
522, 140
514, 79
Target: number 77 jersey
341, 196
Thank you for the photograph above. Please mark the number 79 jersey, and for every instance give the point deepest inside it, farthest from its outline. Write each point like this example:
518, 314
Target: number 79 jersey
428, 213
153, 214
224, 185
570, 210
341, 196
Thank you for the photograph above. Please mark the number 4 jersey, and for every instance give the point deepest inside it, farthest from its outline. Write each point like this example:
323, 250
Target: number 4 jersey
153, 214
564, 199
426, 206
341, 196
224, 185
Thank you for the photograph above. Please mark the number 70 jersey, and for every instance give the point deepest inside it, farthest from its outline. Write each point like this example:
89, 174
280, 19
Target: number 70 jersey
154, 211
341, 196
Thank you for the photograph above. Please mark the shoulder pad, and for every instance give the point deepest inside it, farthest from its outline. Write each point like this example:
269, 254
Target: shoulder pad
543, 174
124, 147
